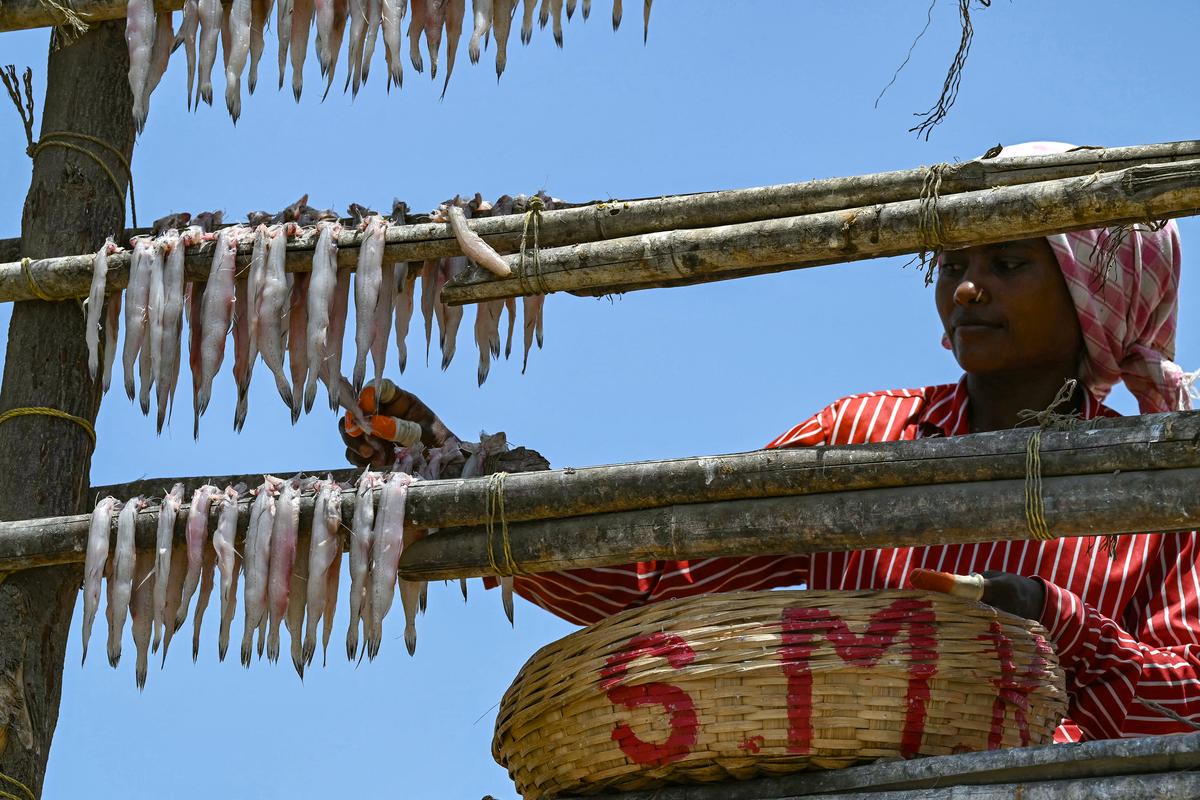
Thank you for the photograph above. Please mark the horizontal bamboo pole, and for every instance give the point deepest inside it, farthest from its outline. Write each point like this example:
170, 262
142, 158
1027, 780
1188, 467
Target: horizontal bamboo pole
70, 276
19, 15
1160, 442
682, 257
913, 516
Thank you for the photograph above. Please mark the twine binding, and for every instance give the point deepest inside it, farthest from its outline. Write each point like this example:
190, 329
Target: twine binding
27, 411
932, 233
533, 219
495, 509
25, 790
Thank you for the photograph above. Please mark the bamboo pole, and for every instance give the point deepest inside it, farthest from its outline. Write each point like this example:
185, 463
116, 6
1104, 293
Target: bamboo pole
1161, 444
70, 276
683, 257
20, 15
913, 516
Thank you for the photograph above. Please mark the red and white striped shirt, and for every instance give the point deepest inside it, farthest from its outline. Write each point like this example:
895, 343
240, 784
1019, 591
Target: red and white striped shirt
1126, 628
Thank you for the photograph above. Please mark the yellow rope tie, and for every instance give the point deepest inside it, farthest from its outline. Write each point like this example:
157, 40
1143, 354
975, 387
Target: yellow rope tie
1035, 506
533, 218
28, 411
51, 140
495, 506
29, 795
34, 287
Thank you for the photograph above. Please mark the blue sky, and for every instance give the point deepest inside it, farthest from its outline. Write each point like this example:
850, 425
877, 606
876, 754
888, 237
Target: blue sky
724, 95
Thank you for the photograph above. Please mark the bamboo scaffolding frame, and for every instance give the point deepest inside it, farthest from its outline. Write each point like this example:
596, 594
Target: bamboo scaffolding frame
1123, 475
684, 257
19, 15
614, 228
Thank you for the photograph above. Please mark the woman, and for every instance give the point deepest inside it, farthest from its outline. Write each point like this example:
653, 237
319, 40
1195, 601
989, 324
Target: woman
1022, 318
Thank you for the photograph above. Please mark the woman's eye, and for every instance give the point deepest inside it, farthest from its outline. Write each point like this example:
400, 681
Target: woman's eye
1010, 264
950, 268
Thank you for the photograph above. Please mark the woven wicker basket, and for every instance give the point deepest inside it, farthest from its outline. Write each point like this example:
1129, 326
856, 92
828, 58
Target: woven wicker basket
737, 685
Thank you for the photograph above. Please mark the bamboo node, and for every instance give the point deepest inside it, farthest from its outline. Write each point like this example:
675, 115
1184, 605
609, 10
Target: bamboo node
28, 411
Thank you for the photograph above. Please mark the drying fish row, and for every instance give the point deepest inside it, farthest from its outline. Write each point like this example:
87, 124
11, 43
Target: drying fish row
289, 576
298, 318
240, 26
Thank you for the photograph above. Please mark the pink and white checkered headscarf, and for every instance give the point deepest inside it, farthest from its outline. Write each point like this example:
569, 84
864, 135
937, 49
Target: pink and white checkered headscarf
1128, 317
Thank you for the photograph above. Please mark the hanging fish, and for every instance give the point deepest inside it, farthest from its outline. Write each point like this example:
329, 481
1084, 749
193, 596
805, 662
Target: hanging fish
303, 12
141, 611
210, 28
137, 300
228, 562
274, 306
95, 304
139, 37
320, 301
95, 559
187, 37
216, 316
164, 546
502, 17
481, 11
455, 13
260, 13
368, 285
361, 535
392, 15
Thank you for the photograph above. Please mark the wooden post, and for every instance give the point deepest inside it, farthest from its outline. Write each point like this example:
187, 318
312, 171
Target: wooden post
45, 462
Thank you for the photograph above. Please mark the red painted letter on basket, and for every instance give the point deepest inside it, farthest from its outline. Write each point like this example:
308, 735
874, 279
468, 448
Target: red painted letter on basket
803, 626
675, 701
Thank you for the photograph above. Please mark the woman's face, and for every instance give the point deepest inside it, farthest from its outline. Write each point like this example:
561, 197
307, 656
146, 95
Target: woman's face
1006, 308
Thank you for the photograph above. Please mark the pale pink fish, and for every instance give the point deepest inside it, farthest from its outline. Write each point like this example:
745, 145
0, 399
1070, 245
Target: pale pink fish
139, 37
207, 565
241, 17
382, 329
320, 301
337, 336
416, 27
392, 19
368, 285
160, 53
481, 12
374, 21
533, 311
255, 283
616, 15
297, 595
95, 304
167, 367
168, 512
137, 300
487, 335
476, 466
216, 315
435, 22
276, 297
510, 306
323, 16
386, 546
112, 324
241, 350
341, 14
256, 556
152, 343
141, 612
429, 304
228, 560
211, 19
473, 246
186, 36
283, 30
502, 17
284, 532
456, 11
324, 546
297, 343
94, 562
406, 287
361, 535
195, 538
121, 583
451, 315
556, 14
527, 21
260, 14
412, 594
174, 598
302, 20
356, 44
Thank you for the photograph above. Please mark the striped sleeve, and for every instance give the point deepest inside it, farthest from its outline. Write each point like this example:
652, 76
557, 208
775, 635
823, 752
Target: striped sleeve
1134, 678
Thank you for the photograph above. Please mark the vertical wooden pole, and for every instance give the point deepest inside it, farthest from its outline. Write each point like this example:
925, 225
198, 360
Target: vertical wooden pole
44, 462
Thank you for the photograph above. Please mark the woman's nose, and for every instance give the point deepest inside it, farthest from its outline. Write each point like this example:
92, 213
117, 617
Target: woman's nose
968, 292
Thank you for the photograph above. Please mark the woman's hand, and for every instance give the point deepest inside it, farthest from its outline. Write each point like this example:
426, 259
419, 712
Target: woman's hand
1003, 590
364, 450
